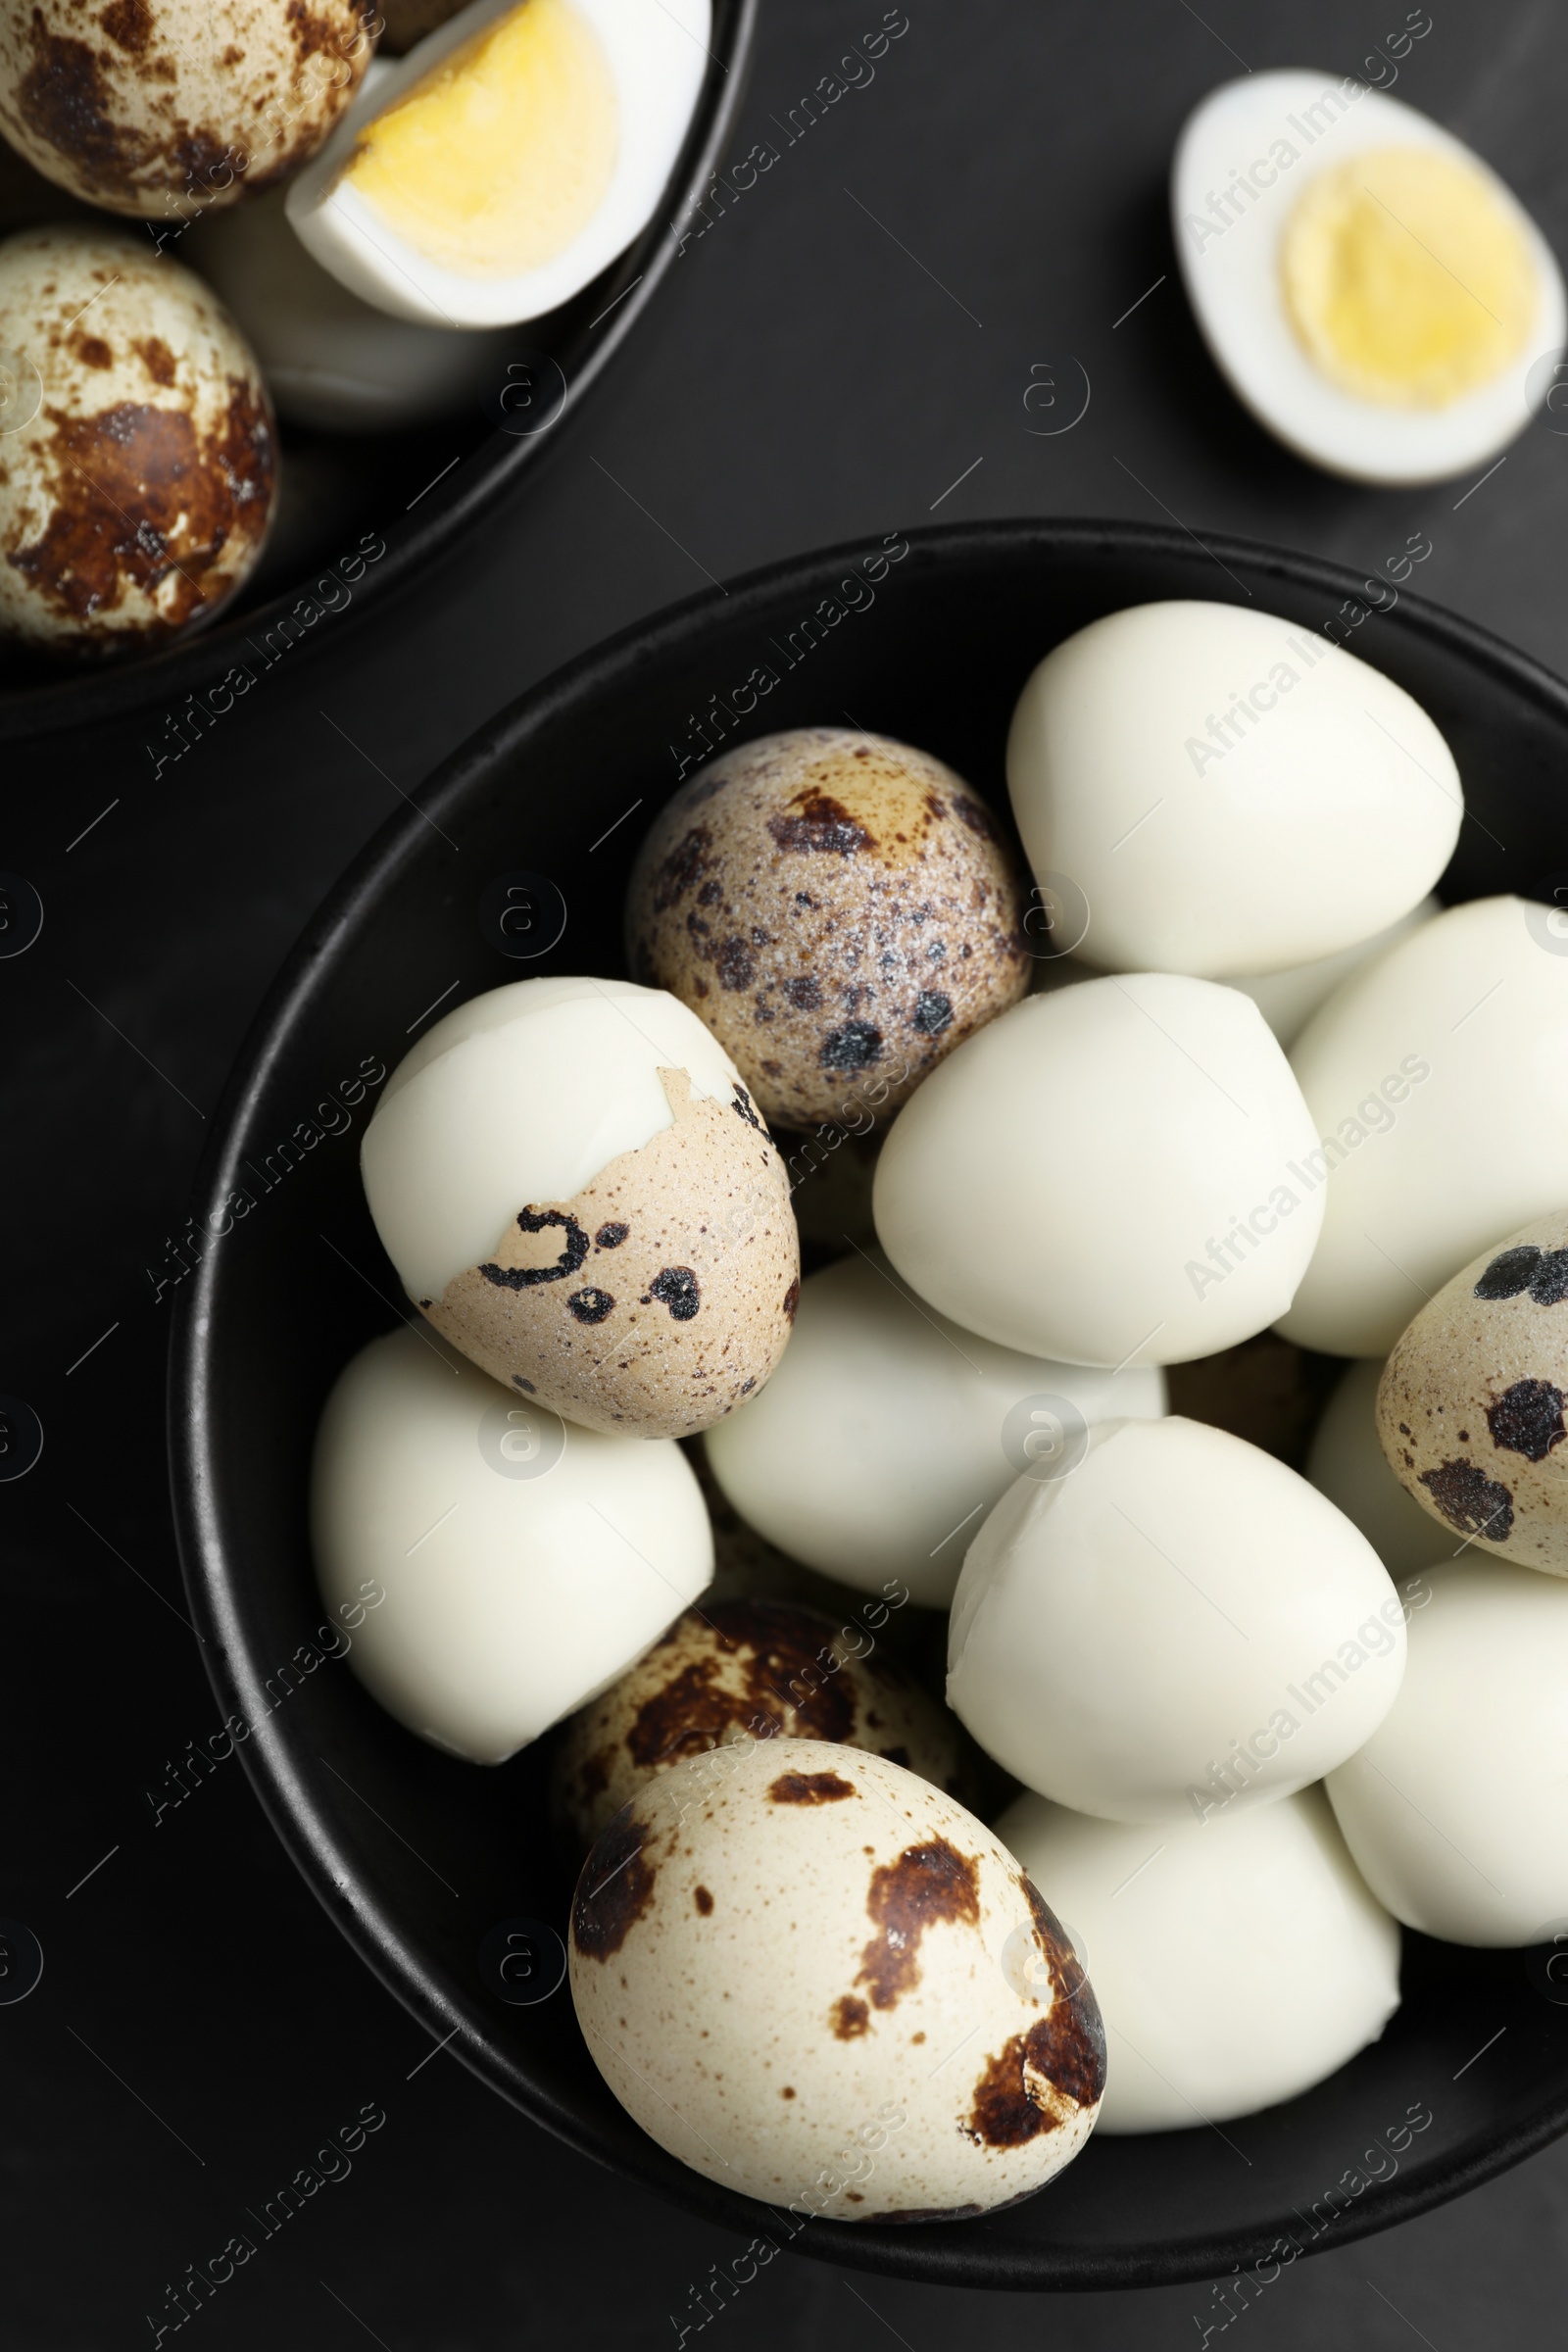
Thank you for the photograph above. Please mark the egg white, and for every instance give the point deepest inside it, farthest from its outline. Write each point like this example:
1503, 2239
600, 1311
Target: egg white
1231, 270
656, 52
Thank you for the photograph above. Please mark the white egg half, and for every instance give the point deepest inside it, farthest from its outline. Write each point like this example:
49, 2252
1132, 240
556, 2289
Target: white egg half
331, 360
1347, 1463
1103, 1175
1177, 1629
1242, 165
1234, 1964
507, 159
1456, 1810
526, 1093
522, 1565
1438, 1083
887, 1431
1229, 792
1288, 999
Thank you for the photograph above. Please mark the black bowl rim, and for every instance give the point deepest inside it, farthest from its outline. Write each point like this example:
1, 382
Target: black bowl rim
85, 698
930, 2256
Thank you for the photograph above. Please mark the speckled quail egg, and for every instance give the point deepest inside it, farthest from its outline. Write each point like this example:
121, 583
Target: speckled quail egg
1456, 1809
888, 1432
735, 1670
1179, 1623
1372, 292
522, 1566
1347, 1463
138, 449
1236, 1962
1104, 1175
819, 1980
512, 155
1229, 792
1436, 1081
841, 910
1470, 1406
576, 1190
167, 107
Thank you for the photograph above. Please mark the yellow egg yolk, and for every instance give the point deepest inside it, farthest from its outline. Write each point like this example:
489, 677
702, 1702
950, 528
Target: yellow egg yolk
500, 155
1405, 278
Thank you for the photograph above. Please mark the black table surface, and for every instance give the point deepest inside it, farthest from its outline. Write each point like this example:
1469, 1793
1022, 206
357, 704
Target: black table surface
845, 349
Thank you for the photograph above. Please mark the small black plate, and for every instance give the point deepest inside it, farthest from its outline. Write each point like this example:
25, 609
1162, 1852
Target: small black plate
418, 1858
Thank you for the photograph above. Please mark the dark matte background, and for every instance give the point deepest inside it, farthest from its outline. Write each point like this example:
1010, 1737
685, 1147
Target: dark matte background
853, 335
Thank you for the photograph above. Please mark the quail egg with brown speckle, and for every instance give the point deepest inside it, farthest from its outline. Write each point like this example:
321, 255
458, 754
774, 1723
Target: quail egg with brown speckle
841, 910
817, 1981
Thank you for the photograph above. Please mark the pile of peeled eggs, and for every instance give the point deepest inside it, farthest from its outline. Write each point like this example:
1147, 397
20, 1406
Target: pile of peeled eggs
333, 214
1213, 1726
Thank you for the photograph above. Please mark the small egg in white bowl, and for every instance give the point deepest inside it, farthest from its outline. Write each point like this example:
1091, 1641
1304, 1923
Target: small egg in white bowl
507, 159
1370, 290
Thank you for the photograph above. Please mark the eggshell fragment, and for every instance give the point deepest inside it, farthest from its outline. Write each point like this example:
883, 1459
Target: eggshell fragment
840, 909
1347, 1463
1456, 1810
819, 1980
1178, 1628
514, 1567
1236, 1963
1106, 1175
738, 1671
1470, 1407
887, 1431
1438, 1083
1230, 791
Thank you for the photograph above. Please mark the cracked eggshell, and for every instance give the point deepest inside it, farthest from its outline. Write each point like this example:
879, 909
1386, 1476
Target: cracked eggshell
1178, 1623
576, 1190
521, 1565
158, 108
887, 1428
1438, 1082
1073, 1181
840, 909
819, 1980
741, 1670
1470, 1406
1348, 1464
1311, 1967
139, 471
1456, 1810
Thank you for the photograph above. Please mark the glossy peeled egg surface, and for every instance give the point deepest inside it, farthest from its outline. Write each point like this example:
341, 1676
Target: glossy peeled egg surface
1370, 289
509, 158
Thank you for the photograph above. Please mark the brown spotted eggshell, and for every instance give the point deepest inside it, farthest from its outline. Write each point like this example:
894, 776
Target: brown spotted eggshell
138, 448
817, 1980
841, 910
733, 1670
1470, 1406
163, 107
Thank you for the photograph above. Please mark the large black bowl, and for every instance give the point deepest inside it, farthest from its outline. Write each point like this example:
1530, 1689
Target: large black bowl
362, 514
417, 1856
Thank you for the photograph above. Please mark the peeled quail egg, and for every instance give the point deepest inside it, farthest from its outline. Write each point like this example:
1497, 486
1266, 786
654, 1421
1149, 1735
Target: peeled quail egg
1437, 1085
819, 1980
522, 1565
1470, 1407
1456, 1809
888, 1432
1371, 291
1228, 792
1288, 999
1176, 1627
139, 464
840, 909
746, 1670
1310, 1972
576, 1190
1106, 1175
509, 158
163, 107
1347, 1464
